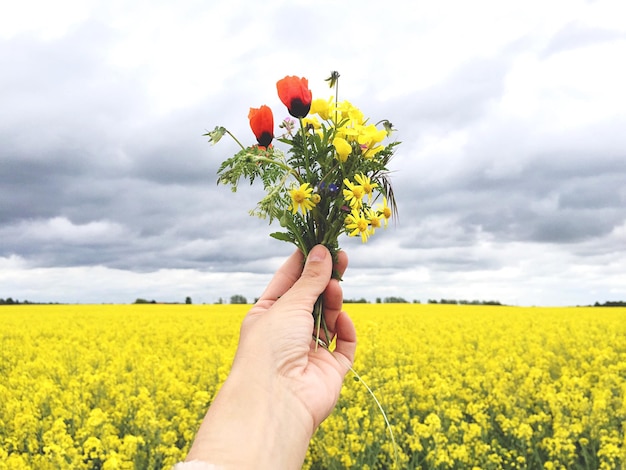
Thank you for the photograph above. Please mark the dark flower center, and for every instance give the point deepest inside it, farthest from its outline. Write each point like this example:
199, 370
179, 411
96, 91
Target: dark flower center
265, 139
298, 108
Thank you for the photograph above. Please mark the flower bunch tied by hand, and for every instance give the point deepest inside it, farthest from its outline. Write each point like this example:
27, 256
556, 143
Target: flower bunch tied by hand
331, 179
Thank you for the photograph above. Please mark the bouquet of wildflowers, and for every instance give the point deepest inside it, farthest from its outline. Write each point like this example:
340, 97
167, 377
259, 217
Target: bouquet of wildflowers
333, 179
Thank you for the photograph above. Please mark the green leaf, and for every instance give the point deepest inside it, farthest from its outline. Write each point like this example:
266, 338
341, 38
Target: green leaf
284, 219
283, 236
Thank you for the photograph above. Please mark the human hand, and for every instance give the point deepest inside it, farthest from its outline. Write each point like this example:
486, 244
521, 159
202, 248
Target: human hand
277, 333
281, 386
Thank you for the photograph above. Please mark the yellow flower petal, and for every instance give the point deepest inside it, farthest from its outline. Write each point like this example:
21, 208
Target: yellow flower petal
342, 147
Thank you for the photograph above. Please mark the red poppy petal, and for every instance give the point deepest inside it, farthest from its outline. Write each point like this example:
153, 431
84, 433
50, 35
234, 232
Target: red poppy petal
262, 124
295, 94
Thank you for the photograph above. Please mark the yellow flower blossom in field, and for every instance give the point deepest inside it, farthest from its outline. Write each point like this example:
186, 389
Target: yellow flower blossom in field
67, 404
463, 386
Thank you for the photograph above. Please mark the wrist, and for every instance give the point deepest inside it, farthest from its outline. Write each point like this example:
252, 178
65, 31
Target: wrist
254, 423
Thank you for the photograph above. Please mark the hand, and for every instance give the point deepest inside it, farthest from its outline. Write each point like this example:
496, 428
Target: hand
281, 386
277, 333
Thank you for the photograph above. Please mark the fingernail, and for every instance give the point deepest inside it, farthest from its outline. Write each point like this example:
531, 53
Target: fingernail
318, 253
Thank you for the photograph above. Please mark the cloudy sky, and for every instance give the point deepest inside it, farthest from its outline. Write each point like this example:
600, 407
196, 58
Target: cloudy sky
510, 178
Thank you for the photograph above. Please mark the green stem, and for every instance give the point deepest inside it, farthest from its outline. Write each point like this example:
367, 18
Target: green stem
235, 139
282, 165
304, 248
336, 99
330, 172
306, 150
320, 322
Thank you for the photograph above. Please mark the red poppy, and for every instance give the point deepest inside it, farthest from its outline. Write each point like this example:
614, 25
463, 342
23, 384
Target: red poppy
262, 124
295, 94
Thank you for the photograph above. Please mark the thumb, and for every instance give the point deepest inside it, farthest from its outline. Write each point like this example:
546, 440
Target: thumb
313, 280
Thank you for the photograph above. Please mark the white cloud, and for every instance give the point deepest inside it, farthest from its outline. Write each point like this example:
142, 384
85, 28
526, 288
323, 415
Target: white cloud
47, 20
509, 178
97, 284
63, 230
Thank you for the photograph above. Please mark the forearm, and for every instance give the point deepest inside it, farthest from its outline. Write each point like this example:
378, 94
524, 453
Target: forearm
253, 425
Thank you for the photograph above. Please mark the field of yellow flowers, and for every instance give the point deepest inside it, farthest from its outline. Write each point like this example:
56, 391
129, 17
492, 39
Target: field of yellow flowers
125, 387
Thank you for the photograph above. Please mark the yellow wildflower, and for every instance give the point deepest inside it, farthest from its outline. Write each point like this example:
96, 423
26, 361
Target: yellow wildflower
385, 211
322, 108
301, 198
311, 121
343, 148
374, 219
354, 194
368, 186
357, 224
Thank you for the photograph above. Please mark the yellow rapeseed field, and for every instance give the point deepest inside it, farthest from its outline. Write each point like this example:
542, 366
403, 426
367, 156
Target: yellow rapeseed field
125, 387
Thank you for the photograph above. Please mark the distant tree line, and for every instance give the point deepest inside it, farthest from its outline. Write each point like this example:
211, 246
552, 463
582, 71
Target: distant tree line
464, 302
392, 300
611, 303
379, 300
10, 301
144, 301
240, 299
234, 299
